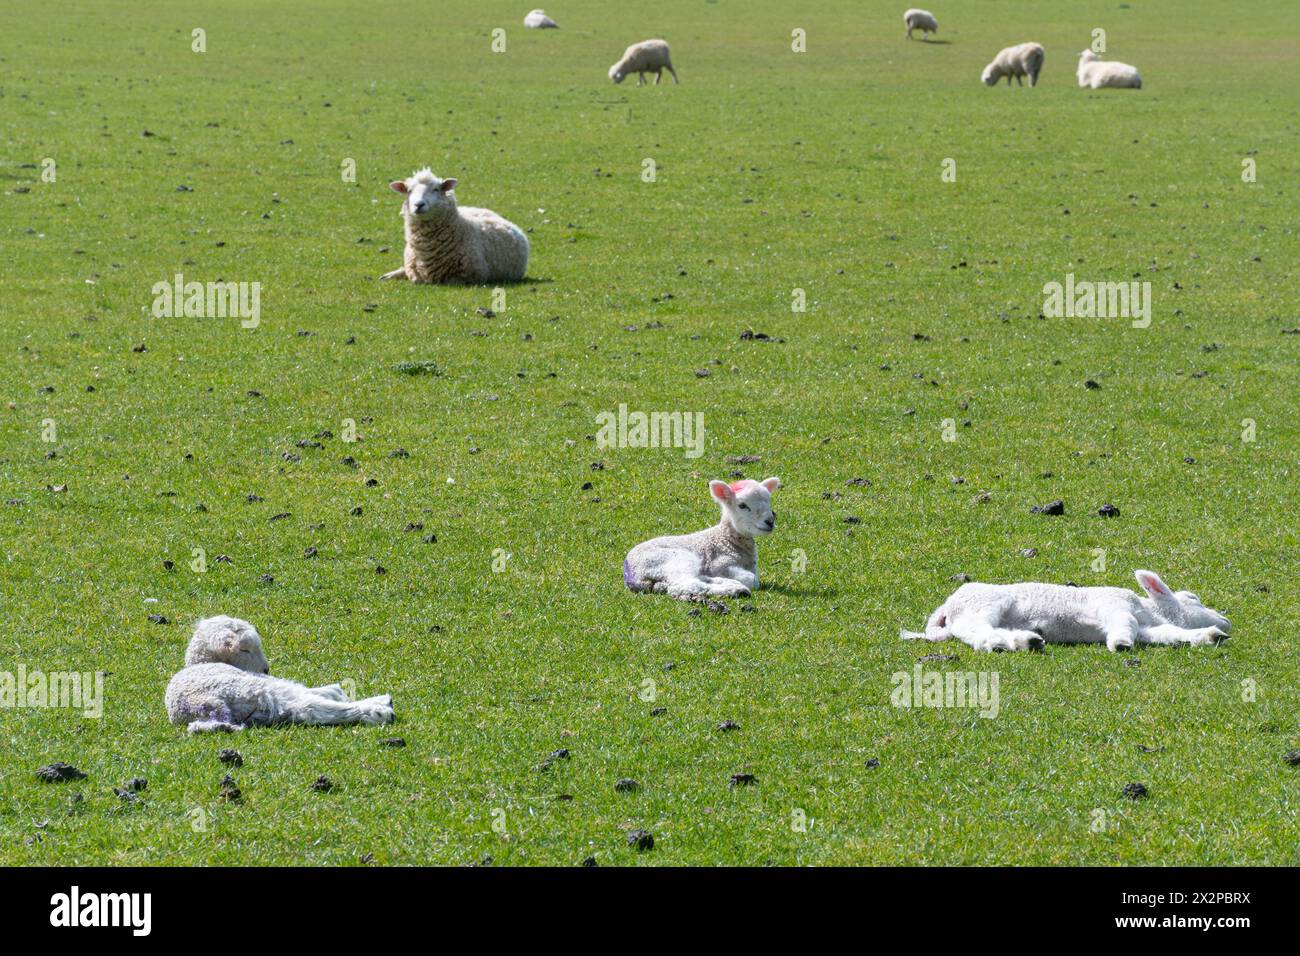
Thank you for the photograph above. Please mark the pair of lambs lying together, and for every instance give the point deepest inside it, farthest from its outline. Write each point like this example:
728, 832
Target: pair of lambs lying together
723, 561
226, 684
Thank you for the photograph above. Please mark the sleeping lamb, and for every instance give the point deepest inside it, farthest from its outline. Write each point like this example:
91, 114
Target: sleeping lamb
226, 685
720, 561
1018, 617
450, 243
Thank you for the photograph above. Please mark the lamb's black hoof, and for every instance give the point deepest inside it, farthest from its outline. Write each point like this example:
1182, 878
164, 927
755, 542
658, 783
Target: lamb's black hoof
1037, 643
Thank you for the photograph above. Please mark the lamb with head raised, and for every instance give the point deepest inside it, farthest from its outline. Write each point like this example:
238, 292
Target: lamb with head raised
1019, 617
446, 242
226, 685
1096, 73
721, 561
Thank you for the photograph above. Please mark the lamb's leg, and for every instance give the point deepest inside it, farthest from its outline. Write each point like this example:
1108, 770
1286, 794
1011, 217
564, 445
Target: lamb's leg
332, 691
309, 708
640, 78
674, 73
981, 634
395, 274
1173, 634
213, 727
672, 571
724, 587
659, 75
1121, 632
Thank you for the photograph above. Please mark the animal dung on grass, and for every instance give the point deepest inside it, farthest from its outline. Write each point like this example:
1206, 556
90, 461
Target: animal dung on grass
450, 243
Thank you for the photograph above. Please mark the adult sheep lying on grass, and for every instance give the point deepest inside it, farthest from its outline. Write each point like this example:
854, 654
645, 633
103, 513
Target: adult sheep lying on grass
450, 243
922, 20
1095, 73
648, 56
226, 685
720, 561
1018, 617
1024, 59
538, 20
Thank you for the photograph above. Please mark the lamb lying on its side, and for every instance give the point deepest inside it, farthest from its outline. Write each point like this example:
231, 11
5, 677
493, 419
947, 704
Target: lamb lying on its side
226, 685
1096, 73
447, 243
1017, 617
538, 20
1025, 59
922, 20
648, 56
722, 560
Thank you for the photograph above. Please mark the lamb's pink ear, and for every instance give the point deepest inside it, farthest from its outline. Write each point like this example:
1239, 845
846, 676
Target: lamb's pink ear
448, 185
1152, 584
771, 484
721, 491
398, 186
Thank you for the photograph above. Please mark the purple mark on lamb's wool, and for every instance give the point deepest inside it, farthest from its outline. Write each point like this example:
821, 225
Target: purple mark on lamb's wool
204, 711
629, 577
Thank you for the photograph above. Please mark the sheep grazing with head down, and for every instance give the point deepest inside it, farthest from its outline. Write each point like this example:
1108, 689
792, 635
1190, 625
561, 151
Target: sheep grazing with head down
1019, 617
538, 20
721, 561
450, 243
226, 684
922, 20
1096, 73
1024, 59
648, 56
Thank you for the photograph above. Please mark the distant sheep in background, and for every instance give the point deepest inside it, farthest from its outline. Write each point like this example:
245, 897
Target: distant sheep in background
538, 20
648, 56
226, 685
447, 243
1096, 73
922, 20
1025, 59
720, 561
1018, 617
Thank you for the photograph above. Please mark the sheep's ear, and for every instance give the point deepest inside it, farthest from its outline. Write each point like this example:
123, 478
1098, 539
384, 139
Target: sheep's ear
448, 185
398, 186
721, 491
1152, 584
771, 484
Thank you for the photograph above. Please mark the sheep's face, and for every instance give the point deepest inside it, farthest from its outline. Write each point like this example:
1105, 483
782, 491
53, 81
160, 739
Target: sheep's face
616, 73
427, 196
1087, 56
987, 76
228, 640
747, 505
1182, 608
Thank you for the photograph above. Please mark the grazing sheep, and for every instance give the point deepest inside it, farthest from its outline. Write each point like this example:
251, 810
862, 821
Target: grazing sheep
447, 243
226, 685
1017, 617
538, 20
722, 560
1025, 59
648, 56
922, 20
1096, 73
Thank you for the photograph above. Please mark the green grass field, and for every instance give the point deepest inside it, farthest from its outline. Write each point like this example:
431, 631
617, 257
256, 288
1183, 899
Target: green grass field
775, 171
